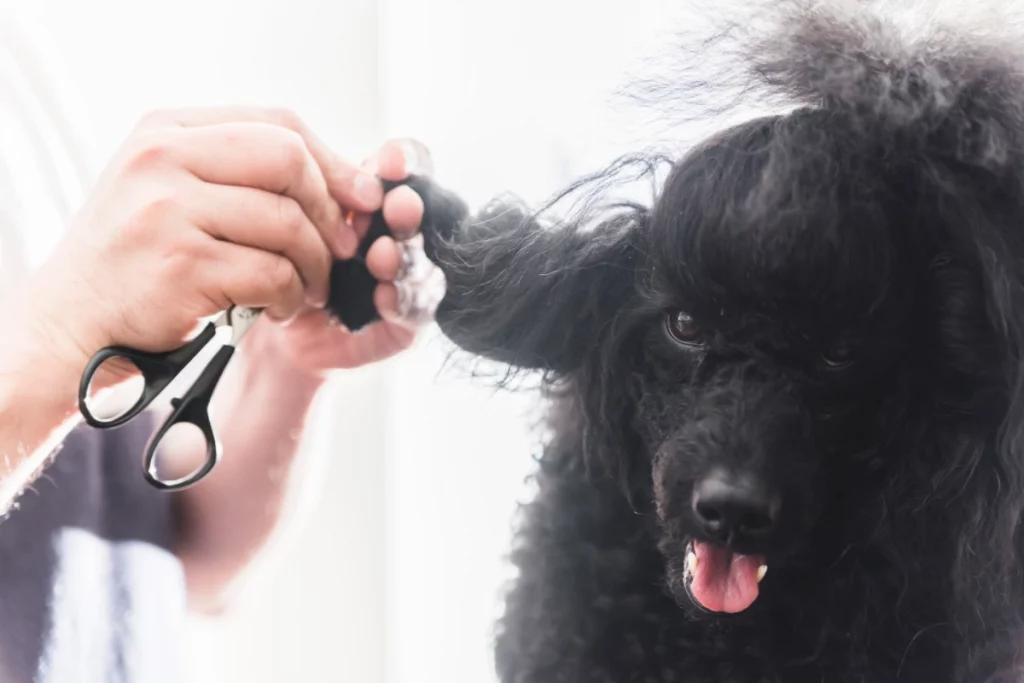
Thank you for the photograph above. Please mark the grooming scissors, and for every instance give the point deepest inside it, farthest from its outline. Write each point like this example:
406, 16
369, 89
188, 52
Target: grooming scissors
352, 286
158, 371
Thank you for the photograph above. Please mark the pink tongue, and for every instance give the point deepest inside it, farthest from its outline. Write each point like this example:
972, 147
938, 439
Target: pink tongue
723, 581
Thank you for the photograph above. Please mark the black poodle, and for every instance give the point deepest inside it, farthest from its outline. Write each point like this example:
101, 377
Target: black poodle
787, 406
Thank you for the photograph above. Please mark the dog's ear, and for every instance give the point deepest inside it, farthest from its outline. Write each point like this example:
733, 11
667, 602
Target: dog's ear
1001, 255
984, 214
530, 295
969, 167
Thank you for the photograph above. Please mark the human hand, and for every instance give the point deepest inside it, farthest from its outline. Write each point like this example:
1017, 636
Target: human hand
314, 342
198, 210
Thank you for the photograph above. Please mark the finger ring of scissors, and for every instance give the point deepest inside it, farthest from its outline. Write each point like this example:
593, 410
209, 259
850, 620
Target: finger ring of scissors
158, 370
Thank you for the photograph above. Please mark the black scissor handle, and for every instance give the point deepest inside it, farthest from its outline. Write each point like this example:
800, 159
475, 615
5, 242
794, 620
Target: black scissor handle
192, 408
158, 370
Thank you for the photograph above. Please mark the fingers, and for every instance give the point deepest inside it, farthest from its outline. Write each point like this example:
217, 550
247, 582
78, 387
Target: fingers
384, 260
387, 259
361, 224
396, 160
412, 300
269, 158
400, 158
403, 211
353, 188
389, 162
271, 222
386, 299
326, 346
375, 342
258, 279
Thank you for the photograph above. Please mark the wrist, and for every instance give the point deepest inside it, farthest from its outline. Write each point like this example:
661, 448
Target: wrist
62, 327
38, 395
37, 353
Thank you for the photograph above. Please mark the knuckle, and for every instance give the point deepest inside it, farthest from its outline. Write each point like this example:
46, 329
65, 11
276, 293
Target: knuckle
155, 213
149, 151
179, 264
279, 274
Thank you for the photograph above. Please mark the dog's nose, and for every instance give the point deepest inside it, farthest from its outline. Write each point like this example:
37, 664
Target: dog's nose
734, 508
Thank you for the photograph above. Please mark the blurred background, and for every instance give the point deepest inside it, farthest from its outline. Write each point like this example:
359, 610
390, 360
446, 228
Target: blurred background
395, 568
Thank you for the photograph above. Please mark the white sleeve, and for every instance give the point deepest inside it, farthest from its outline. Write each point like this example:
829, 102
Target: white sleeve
44, 167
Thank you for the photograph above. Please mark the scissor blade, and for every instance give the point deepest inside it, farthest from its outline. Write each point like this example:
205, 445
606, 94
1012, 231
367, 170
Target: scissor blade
241, 320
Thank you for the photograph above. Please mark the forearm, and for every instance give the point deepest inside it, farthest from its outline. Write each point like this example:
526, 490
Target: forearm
39, 378
38, 410
229, 517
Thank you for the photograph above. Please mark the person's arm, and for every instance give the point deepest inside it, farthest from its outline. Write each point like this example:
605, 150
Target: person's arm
226, 520
38, 396
198, 210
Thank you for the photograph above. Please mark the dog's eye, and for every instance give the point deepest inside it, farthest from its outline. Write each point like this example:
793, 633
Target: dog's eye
684, 329
839, 355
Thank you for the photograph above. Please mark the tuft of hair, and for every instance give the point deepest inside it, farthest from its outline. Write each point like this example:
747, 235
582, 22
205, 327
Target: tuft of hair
899, 67
895, 63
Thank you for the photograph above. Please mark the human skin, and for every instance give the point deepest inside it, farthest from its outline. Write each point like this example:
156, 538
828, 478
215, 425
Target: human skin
199, 210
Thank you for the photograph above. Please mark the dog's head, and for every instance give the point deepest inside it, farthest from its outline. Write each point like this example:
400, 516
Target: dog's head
808, 328
821, 332
817, 327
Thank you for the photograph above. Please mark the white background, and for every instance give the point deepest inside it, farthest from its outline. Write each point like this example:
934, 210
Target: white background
393, 574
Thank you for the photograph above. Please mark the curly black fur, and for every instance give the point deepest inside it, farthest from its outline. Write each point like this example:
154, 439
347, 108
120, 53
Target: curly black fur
877, 220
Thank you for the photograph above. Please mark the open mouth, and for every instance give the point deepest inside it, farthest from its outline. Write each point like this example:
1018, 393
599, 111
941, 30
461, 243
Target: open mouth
720, 580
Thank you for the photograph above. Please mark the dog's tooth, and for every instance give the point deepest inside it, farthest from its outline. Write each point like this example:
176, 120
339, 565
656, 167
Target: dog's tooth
691, 563
761, 571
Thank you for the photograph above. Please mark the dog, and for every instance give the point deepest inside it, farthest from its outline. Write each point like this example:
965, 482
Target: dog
786, 394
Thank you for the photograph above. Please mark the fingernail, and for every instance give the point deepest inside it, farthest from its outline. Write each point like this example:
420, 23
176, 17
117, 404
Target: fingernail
411, 155
319, 299
368, 189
